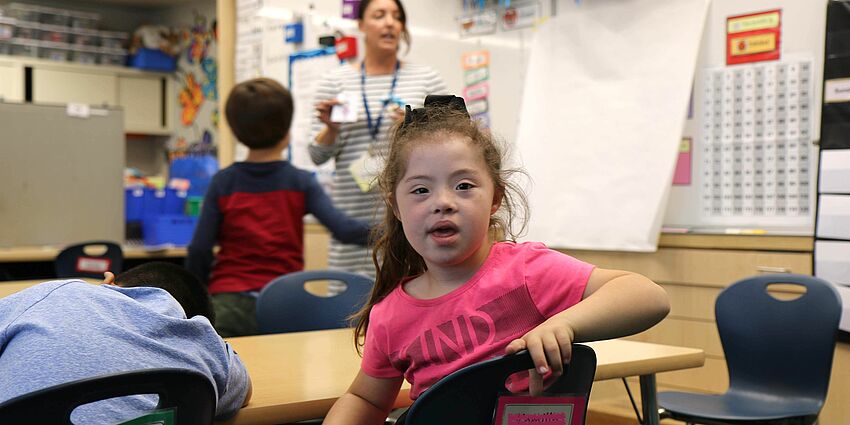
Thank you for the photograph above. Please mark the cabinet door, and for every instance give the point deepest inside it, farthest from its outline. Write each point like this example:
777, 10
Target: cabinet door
143, 99
11, 82
61, 86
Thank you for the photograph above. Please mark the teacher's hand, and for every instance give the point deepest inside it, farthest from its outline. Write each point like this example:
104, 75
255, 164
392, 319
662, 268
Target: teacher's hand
396, 112
323, 111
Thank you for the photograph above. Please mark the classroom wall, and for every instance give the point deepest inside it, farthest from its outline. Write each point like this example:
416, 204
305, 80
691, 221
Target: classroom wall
436, 41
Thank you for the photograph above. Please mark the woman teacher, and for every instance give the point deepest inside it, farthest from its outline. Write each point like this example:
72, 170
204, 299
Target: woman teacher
370, 96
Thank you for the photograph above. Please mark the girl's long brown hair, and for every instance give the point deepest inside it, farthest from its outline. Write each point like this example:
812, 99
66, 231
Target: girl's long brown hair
393, 256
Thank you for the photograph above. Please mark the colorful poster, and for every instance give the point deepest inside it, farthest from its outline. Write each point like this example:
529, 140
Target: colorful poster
476, 59
753, 37
520, 15
479, 23
476, 67
196, 91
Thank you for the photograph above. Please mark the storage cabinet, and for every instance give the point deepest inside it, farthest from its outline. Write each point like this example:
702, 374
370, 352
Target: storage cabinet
143, 99
693, 276
694, 269
143, 95
11, 82
50, 85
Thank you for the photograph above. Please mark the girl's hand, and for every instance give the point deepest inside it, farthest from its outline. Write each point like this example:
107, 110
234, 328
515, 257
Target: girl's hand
550, 346
323, 112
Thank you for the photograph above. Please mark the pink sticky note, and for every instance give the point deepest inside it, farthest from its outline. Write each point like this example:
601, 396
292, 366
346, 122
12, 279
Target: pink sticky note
682, 175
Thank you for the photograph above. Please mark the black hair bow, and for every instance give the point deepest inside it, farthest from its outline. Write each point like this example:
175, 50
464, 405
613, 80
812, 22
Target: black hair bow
431, 101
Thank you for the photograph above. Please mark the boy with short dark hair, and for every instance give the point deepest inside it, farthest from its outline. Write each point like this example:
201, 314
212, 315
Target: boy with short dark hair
152, 316
254, 210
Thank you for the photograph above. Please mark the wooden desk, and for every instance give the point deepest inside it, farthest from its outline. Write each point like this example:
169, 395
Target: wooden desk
9, 288
298, 376
25, 254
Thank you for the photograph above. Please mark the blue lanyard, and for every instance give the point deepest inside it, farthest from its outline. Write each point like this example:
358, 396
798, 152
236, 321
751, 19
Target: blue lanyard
373, 131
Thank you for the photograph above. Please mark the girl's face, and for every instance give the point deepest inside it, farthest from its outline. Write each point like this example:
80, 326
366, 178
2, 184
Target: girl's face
381, 25
444, 201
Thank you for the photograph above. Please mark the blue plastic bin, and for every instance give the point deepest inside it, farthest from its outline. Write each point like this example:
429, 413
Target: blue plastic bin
199, 170
152, 59
174, 229
175, 201
154, 203
134, 203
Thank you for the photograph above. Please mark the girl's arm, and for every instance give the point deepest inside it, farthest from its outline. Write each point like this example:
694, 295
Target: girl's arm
615, 303
368, 401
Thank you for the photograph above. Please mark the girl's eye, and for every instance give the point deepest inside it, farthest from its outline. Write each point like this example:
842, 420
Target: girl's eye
465, 186
419, 191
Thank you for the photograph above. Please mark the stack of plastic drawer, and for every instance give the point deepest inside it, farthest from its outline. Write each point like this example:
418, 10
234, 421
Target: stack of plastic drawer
60, 35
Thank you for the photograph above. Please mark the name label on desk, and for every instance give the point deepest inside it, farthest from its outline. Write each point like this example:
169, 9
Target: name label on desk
548, 410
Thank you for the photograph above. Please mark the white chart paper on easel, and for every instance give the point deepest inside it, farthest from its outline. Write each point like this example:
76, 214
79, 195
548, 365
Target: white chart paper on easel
603, 108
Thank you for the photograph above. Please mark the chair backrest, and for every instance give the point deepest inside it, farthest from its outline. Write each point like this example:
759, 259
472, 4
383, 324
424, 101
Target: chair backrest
779, 347
469, 396
190, 392
80, 260
284, 305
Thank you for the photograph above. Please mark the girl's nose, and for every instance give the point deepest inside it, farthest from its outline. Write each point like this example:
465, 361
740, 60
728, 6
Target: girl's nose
444, 203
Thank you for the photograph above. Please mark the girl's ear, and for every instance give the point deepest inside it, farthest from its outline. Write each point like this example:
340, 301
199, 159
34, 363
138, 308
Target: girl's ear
391, 204
497, 201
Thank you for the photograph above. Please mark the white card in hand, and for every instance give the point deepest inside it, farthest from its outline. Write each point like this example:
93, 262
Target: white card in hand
346, 111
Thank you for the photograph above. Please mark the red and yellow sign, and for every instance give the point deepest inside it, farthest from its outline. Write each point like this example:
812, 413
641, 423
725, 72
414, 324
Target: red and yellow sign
753, 37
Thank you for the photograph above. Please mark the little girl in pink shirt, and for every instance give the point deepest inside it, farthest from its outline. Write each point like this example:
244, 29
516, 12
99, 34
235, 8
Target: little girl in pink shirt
448, 295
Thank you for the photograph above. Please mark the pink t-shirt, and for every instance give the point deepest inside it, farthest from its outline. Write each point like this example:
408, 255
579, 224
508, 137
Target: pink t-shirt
518, 287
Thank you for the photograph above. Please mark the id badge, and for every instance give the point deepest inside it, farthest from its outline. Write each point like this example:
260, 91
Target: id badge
348, 108
365, 170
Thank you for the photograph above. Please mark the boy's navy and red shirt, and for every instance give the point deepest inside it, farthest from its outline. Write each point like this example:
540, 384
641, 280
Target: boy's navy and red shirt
255, 212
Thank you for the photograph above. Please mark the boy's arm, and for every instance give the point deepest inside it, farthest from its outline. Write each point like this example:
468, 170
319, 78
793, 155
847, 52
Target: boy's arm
615, 303
237, 389
343, 228
368, 401
199, 257
249, 393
